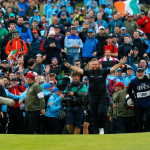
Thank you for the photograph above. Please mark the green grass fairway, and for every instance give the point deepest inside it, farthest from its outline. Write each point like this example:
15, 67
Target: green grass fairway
137, 141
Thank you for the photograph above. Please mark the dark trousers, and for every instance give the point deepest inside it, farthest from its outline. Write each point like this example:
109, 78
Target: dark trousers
4, 122
140, 112
42, 125
98, 112
123, 125
53, 125
148, 36
32, 120
15, 121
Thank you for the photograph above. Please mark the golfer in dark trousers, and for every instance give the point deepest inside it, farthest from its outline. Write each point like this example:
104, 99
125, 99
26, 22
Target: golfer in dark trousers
97, 91
34, 104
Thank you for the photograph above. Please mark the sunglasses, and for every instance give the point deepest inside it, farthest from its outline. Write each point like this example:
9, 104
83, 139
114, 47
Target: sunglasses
16, 33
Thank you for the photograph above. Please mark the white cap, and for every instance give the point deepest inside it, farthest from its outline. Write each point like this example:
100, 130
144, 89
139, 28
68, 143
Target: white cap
101, 27
51, 31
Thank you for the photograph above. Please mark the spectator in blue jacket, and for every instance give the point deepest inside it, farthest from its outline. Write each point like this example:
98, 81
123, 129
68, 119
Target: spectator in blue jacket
69, 8
50, 11
89, 46
73, 44
22, 5
118, 75
123, 31
129, 77
100, 21
36, 17
108, 10
95, 7
114, 22
57, 8
24, 31
52, 112
103, 3
90, 3
47, 7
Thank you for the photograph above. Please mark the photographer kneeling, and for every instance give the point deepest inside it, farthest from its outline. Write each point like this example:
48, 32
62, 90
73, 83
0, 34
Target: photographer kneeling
76, 92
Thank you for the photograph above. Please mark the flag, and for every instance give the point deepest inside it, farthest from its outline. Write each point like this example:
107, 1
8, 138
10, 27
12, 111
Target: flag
130, 6
10, 56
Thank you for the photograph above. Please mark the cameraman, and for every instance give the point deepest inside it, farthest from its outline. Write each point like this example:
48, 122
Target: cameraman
75, 112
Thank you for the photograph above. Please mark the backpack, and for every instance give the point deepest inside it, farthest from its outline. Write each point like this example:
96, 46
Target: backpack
21, 44
110, 85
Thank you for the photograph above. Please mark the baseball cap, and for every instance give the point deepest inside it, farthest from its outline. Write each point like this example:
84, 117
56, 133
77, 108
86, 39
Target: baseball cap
101, 27
39, 55
57, 4
4, 61
34, 31
68, 2
73, 27
36, 11
63, 13
49, 0
11, 15
119, 69
90, 30
130, 68
123, 28
26, 22
52, 74
95, 2
135, 48
129, 15
47, 85
120, 84
16, 31
140, 69
51, 82
56, 26
14, 79
54, 58
142, 13
108, 4
30, 75
52, 4
109, 17
54, 13
109, 36
82, 9
55, 89
115, 35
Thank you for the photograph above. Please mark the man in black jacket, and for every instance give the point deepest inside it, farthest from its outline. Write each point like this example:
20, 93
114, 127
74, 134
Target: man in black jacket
101, 37
140, 44
51, 47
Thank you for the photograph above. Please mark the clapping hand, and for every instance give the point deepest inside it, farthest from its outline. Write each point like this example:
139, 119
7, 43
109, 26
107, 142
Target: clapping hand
47, 69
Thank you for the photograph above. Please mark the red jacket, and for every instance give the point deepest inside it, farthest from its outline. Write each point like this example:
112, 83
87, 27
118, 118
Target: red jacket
140, 23
16, 91
146, 25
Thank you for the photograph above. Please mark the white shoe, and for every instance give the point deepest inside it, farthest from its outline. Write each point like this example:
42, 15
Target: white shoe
101, 130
